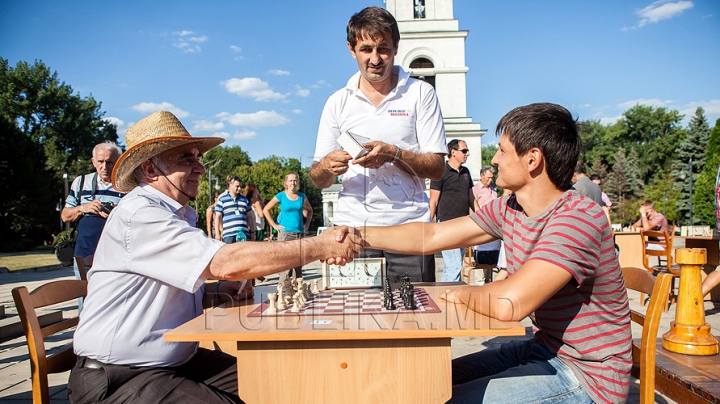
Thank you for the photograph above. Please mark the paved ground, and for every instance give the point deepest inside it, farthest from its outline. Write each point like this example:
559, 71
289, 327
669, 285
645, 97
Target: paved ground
15, 384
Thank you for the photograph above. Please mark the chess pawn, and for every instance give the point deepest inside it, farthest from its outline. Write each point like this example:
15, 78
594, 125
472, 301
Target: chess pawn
296, 307
315, 288
272, 298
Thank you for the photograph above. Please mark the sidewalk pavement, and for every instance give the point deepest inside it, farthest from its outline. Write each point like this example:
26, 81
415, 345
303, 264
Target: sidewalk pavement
15, 385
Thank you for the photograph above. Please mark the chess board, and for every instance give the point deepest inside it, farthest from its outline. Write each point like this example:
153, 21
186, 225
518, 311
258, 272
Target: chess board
344, 302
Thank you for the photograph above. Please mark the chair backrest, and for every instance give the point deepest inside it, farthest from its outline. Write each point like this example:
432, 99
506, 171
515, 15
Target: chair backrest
657, 244
27, 303
643, 353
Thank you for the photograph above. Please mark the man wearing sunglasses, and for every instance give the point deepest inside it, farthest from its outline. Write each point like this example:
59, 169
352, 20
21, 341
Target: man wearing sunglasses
452, 197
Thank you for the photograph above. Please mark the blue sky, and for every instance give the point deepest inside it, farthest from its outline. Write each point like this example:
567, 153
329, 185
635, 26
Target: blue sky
258, 73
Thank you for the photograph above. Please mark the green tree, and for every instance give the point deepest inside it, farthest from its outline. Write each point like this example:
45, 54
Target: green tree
704, 193
64, 127
487, 153
651, 133
597, 144
689, 162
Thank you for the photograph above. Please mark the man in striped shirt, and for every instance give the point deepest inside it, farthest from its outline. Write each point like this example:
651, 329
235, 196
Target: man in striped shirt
232, 213
563, 273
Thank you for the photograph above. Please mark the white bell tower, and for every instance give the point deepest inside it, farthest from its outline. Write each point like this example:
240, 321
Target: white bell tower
432, 48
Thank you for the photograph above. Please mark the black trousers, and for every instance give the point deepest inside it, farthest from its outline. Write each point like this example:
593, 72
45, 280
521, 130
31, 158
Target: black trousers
420, 268
208, 377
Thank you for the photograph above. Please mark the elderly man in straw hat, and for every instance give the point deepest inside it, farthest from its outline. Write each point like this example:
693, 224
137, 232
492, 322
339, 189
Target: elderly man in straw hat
149, 273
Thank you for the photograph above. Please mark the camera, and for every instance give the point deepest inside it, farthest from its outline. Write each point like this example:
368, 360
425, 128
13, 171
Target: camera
107, 207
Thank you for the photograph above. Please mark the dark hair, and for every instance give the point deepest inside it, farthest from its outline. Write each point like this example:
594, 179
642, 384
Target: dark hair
372, 22
453, 145
579, 168
594, 177
552, 129
232, 178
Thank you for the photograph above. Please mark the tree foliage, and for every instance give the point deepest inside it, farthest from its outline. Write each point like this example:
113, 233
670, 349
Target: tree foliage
55, 131
704, 192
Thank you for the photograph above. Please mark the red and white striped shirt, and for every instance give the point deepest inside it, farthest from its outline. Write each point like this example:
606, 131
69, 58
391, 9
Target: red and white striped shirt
587, 322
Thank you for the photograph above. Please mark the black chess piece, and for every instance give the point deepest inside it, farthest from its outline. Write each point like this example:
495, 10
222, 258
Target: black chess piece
410, 299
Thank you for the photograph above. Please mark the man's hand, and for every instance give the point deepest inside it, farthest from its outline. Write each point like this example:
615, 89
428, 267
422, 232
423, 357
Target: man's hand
94, 208
380, 153
343, 244
336, 162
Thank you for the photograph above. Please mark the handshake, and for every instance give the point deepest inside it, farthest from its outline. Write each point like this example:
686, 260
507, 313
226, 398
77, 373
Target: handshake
340, 244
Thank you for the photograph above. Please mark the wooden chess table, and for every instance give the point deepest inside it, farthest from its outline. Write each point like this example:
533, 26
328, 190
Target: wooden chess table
349, 357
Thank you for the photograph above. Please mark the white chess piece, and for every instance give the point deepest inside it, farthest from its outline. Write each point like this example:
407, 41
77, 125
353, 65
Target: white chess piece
315, 288
296, 307
272, 297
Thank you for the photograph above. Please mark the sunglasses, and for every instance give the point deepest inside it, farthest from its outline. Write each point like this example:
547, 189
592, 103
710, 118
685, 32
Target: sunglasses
463, 151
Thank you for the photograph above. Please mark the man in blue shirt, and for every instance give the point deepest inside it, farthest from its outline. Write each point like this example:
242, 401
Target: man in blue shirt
232, 213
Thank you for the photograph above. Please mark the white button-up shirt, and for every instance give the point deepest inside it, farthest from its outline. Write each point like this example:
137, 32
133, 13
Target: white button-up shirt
145, 281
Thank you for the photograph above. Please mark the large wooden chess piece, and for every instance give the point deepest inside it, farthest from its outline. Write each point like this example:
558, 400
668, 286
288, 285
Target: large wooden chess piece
689, 334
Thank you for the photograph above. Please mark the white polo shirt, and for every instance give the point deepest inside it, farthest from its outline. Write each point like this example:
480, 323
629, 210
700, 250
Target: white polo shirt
145, 281
408, 117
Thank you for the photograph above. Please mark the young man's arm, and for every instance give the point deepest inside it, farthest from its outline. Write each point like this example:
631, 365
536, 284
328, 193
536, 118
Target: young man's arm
517, 296
511, 299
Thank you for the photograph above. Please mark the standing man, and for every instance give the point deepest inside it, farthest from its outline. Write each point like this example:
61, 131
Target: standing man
91, 203
485, 192
149, 277
451, 197
232, 213
402, 117
606, 202
563, 274
584, 186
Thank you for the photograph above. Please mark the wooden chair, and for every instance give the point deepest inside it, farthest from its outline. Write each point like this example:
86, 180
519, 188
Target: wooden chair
644, 349
41, 363
469, 265
659, 244
82, 267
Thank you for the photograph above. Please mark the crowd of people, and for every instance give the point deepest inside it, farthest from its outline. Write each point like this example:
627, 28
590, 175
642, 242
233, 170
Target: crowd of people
151, 262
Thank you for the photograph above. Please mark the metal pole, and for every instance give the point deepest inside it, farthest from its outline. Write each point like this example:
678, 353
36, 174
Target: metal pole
692, 222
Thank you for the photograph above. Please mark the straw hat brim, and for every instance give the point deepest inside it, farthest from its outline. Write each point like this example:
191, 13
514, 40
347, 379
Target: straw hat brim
122, 175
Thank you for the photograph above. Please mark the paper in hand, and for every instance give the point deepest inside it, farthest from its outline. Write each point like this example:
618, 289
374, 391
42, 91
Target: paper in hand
353, 144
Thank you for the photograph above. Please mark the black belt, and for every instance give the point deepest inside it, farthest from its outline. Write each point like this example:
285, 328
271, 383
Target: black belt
85, 362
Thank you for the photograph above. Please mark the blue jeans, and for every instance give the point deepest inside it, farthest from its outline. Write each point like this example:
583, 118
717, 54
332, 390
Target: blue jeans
77, 276
453, 264
517, 372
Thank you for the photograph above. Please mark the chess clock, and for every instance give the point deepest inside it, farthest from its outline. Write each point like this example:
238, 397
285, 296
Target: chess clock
361, 273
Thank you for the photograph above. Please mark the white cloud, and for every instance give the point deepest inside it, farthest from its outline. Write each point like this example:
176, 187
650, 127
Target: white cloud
188, 42
610, 120
206, 126
223, 135
662, 10
236, 50
278, 72
244, 134
254, 120
651, 102
252, 87
297, 111
302, 92
712, 110
150, 107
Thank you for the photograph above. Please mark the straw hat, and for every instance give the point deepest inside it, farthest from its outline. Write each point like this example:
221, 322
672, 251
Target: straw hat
150, 136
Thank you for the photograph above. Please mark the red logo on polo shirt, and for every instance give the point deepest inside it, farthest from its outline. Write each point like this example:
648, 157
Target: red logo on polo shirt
399, 112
